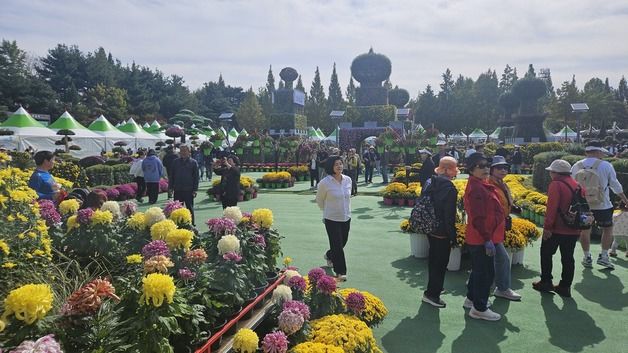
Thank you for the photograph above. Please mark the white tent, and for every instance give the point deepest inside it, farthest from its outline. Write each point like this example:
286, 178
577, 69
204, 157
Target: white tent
477, 135
458, 137
141, 138
312, 134
495, 134
110, 133
90, 142
566, 132
333, 137
27, 132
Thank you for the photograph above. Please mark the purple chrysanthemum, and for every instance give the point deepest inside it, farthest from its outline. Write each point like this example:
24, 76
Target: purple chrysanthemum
355, 302
247, 214
45, 344
290, 321
112, 194
125, 192
48, 212
128, 207
315, 274
84, 216
232, 256
172, 205
297, 283
326, 284
260, 240
221, 226
275, 342
299, 307
186, 273
155, 248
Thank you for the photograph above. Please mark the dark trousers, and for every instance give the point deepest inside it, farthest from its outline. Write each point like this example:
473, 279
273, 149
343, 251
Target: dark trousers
152, 190
208, 170
187, 197
141, 187
338, 234
228, 202
385, 173
314, 177
368, 173
437, 265
567, 244
353, 174
481, 278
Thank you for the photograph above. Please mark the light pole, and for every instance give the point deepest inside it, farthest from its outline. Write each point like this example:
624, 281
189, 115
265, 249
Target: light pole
578, 108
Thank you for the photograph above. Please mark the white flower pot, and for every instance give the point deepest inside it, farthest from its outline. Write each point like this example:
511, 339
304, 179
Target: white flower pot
419, 246
454, 259
517, 257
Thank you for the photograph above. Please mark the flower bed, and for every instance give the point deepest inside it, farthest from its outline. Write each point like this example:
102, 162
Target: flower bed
265, 167
398, 194
248, 189
276, 180
300, 173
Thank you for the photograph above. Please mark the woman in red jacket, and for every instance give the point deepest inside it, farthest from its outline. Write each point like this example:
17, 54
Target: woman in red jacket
485, 228
556, 233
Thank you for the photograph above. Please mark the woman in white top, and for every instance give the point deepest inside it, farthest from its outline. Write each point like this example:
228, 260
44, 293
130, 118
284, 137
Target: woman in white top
334, 198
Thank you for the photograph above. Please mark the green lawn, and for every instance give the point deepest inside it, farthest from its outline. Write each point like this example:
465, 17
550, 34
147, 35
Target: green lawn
379, 261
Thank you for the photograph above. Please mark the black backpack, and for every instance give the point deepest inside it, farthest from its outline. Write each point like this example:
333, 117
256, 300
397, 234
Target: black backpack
579, 215
423, 216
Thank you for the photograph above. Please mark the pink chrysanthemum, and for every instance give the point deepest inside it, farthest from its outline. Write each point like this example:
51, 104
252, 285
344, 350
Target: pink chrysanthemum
221, 226
154, 248
298, 307
326, 284
84, 216
355, 302
297, 283
290, 321
48, 212
260, 240
186, 273
128, 207
315, 274
196, 256
172, 205
275, 342
232, 256
45, 344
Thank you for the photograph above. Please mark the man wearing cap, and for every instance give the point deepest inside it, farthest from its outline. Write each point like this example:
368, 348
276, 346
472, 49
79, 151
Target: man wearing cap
556, 234
516, 160
602, 211
427, 168
442, 152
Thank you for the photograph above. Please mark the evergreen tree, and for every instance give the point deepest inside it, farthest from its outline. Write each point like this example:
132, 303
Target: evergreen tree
351, 92
299, 85
486, 92
281, 85
426, 111
447, 85
316, 107
109, 101
622, 90
335, 92
99, 69
64, 70
250, 115
531, 73
270, 81
560, 109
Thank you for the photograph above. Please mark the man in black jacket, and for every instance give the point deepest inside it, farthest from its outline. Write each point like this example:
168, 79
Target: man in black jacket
229, 181
183, 179
427, 166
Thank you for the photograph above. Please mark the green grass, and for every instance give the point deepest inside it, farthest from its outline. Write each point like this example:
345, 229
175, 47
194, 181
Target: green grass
379, 261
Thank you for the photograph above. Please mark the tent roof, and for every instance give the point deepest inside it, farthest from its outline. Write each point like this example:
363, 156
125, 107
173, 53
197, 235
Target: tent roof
477, 133
564, 130
495, 134
320, 133
133, 129
333, 136
244, 132
103, 127
312, 133
66, 121
21, 119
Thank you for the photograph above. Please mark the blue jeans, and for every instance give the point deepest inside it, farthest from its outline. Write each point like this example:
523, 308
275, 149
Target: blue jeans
502, 267
481, 278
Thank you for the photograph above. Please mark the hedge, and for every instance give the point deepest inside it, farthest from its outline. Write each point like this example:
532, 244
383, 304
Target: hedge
108, 175
383, 114
121, 174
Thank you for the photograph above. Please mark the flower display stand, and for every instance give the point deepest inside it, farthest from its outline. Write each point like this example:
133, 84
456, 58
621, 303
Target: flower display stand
517, 257
419, 246
238, 322
454, 259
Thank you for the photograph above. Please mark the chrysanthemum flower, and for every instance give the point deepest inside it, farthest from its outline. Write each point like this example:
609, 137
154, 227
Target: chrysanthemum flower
137, 221
161, 229
282, 293
102, 217
290, 322
154, 248
134, 259
245, 341
179, 238
263, 217
298, 307
158, 263
326, 285
88, 299
228, 243
157, 287
275, 342
233, 213
196, 256
28, 303
181, 216
153, 215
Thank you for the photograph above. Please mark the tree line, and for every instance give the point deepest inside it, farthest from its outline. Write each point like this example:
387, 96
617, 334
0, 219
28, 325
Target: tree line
94, 83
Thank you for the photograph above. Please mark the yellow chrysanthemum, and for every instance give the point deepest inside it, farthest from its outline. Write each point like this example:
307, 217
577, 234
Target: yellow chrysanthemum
405, 225
28, 303
315, 347
21, 195
245, 341
160, 230
69, 206
287, 261
356, 336
156, 288
4, 247
263, 217
8, 265
137, 221
181, 216
179, 238
134, 259
102, 217
374, 311
72, 223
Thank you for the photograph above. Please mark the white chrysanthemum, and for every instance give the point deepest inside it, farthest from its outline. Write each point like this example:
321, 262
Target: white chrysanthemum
289, 274
113, 207
154, 215
228, 243
233, 213
282, 294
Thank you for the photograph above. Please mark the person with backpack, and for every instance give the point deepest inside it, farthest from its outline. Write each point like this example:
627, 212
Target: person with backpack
562, 191
485, 228
597, 176
444, 196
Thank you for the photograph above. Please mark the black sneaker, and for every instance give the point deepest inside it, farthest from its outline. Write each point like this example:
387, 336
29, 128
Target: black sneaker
563, 291
543, 286
435, 302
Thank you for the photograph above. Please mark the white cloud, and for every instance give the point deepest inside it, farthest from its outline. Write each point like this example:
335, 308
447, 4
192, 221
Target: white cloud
240, 39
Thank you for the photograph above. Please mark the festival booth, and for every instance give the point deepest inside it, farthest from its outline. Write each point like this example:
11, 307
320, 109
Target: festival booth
333, 137
478, 136
108, 132
566, 133
27, 132
139, 137
458, 137
312, 134
90, 142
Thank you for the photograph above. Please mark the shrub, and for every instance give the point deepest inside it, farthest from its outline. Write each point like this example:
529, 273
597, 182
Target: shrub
529, 151
121, 174
125, 192
113, 161
112, 194
71, 171
22, 160
91, 161
100, 175
382, 114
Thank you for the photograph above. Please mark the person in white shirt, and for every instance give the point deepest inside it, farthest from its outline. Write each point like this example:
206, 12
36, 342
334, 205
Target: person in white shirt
469, 151
313, 170
138, 173
334, 199
602, 212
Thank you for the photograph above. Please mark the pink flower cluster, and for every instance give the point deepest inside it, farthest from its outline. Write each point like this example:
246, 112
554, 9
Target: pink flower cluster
298, 307
315, 274
172, 205
355, 302
290, 321
260, 240
326, 285
49, 212
221, 226
46, 344
275, 342
187, 274
128, 207
232, 256
297, 283
84, 216
155, 248
196, 256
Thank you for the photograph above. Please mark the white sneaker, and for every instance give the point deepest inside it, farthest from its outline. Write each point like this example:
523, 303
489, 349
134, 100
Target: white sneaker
587, 262
605, 261
468, 304
507, 294
488, 315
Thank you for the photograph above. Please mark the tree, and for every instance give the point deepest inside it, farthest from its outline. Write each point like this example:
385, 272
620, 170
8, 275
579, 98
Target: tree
98, 69
109, 101
299, 85
14, 77
335, 92
64, 70
622, 90
486, 92
351, 92
560, 109
316, 107
508, 79
446, 87
249, 114
426, 111
270, 81
531, 73
215, 98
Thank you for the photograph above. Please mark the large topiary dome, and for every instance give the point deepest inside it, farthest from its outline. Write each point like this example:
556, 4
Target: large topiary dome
288, 75
371, 69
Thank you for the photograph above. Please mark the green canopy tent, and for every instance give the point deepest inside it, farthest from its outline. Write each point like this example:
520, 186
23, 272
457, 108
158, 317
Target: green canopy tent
312, 134
333, 137
320, 133
141, 137
27, 132
110, 133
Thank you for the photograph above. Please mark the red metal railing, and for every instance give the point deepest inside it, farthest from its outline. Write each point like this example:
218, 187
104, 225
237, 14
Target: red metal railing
206, 348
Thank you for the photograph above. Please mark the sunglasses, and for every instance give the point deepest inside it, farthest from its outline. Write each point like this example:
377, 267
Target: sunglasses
502, 167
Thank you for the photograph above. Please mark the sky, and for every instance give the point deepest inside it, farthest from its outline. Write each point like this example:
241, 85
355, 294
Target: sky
199, 40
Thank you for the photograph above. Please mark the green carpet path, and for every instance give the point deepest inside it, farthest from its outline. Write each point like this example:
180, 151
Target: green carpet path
379, 261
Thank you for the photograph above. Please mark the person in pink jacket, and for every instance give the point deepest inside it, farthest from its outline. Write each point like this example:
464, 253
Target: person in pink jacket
485, 228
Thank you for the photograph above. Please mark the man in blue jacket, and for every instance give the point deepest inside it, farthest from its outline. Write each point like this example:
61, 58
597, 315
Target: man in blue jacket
41, 180
153, 171
184, 179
